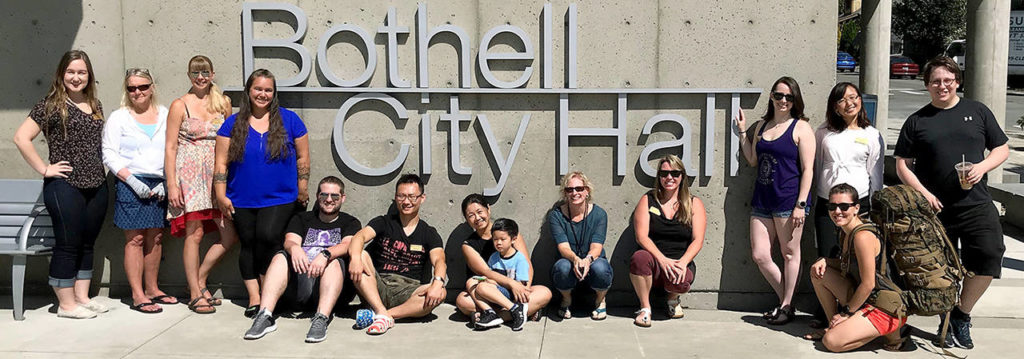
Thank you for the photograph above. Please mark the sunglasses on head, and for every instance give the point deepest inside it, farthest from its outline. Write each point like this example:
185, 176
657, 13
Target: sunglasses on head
842, 206
673, 173
575, 189
778, 96
131, 89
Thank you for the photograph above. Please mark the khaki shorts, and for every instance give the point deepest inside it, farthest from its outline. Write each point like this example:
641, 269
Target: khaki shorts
395, 289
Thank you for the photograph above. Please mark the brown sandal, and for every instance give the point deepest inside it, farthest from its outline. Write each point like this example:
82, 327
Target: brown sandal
205, 292
194, 306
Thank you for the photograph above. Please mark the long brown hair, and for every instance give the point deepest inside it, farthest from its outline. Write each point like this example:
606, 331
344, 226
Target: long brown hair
56, 101
216, 102
797, 110
685, 212
834, 121
277, 144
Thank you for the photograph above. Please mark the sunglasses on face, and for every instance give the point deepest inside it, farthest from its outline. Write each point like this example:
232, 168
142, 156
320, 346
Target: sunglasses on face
195, 74
673, 173
778, 96
842, 206
333, 196
575, 189
143, 88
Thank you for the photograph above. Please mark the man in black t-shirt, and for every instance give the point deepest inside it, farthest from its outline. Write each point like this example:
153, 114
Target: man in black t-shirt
388, 274
933, 140
310, 269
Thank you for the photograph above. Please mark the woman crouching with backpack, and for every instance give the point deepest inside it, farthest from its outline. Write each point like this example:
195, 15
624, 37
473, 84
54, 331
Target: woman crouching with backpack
849, 294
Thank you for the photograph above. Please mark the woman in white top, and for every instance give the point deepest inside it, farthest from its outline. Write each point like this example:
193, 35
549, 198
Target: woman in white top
850, 151
133, 148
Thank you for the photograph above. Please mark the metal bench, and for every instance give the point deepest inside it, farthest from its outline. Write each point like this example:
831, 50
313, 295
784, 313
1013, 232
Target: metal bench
25, 230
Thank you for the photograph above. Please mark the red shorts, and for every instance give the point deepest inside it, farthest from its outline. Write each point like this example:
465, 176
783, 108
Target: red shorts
206, 215
884, 323
644, 264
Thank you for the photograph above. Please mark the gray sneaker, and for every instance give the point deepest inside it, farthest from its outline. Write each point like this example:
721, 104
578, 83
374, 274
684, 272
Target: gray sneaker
263, 324
317, 328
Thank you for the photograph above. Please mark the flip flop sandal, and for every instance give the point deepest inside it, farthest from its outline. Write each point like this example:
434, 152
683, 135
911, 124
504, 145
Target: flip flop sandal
251, 311
564, 313
164, 299
599, 313
209, 297
643, 318
139, 308
675, 309
381, 324
200, 308
815, 335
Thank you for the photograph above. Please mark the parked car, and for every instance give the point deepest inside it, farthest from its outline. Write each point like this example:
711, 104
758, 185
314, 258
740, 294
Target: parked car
845, 62
902, 66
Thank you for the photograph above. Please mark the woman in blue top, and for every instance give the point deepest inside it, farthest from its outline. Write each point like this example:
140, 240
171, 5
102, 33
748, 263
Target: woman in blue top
579, 227
261, 170
783, 152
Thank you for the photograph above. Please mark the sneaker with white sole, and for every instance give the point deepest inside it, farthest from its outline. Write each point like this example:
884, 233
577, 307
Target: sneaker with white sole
263, 323
518, 312
488, 319
95, 306
80, 312
317, 328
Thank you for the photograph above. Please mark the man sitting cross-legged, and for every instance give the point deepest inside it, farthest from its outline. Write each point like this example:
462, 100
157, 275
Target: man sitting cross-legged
310, 265
388, 274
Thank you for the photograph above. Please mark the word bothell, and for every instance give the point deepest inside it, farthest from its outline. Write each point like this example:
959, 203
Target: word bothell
525, 57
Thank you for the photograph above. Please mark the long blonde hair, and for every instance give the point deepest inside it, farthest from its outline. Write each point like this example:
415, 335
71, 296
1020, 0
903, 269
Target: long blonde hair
126, 100
683, 192
56, 101
216, 102
586, 183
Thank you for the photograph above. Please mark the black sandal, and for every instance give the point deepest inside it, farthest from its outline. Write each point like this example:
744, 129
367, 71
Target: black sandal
786, 315
251, 311
197, 308
771, 313
138, 308
205, 292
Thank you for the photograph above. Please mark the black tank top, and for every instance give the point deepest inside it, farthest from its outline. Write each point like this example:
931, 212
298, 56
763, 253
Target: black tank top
670, 236
483, 246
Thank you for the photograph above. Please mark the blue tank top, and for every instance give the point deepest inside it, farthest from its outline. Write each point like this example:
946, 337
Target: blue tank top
778, 172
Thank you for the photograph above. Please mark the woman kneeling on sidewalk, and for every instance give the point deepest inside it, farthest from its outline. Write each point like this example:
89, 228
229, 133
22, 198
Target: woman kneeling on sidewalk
856, 286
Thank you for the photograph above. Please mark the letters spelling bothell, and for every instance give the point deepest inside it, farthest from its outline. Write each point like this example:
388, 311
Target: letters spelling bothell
398, 84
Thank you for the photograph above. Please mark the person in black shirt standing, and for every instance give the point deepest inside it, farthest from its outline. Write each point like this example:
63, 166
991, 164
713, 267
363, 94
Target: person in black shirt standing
310, 269
934, 140
388, 274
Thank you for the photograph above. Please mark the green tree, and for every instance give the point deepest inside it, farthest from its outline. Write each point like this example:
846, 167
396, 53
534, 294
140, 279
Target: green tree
926, 26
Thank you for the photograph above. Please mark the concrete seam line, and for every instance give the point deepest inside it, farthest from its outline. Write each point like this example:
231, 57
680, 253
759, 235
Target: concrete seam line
157, 335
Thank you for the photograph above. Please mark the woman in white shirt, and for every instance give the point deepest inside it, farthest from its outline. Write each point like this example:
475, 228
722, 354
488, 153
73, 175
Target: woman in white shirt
133, 149
849, 151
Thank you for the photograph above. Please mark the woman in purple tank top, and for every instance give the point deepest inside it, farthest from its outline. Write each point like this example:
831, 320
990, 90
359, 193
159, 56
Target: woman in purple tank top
783, 152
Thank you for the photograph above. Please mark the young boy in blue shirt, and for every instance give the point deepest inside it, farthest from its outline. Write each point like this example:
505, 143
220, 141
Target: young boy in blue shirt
509, 262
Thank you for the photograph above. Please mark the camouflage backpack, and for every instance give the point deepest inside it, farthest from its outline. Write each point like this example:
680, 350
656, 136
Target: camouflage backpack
925, 259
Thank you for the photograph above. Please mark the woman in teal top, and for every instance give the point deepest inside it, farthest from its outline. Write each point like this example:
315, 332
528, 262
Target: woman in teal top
579, 227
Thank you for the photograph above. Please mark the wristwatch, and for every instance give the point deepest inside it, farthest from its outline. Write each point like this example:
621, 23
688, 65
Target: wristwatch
801, 204
846, 310
326, 253
443, 282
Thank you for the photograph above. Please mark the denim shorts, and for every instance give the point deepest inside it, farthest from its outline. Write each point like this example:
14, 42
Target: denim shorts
767, 213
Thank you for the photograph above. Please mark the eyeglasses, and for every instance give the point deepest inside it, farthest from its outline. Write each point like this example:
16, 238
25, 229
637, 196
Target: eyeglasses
673, 173
142, 88
778, 96
842, 206
849, 99
575, 189
333, 196
205, 73
407, 197
941, 82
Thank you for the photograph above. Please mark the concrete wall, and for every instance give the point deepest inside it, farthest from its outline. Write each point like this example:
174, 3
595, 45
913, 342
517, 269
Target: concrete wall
622, 44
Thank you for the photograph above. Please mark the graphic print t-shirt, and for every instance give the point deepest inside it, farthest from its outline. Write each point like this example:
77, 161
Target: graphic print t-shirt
394, 252
317, 235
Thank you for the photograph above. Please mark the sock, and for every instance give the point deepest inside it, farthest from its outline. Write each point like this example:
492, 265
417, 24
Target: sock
959, 314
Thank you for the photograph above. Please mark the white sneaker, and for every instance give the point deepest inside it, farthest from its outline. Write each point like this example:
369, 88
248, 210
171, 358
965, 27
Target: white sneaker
80, 312
95, 306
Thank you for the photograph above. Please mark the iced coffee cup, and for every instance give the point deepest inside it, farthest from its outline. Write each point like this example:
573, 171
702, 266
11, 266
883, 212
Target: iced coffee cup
962, 170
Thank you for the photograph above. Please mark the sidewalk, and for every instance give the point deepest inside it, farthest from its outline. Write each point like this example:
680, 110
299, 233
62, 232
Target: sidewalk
178, 333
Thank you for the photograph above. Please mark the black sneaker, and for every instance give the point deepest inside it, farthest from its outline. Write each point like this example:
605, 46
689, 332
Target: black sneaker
518, 312
317, 328
961, 330
263, 324
488, 319
938, 334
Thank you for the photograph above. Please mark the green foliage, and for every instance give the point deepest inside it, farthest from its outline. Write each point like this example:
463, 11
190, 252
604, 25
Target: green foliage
848, 37
926, 26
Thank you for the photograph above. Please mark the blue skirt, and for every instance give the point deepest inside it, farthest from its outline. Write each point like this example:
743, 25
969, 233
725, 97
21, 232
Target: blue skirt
131, 212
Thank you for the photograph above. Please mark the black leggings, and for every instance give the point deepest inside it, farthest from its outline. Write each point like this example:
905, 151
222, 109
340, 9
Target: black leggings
261, 235
77, 216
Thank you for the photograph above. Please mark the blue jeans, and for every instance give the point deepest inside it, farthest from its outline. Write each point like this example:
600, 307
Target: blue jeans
599, 277
77, 216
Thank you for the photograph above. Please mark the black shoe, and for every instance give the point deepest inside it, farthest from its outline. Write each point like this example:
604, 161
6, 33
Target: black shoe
263, 324
518, 312
961, 330
488, 319
938, 334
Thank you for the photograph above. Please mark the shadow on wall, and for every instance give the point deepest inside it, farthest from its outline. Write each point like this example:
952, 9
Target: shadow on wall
35, 34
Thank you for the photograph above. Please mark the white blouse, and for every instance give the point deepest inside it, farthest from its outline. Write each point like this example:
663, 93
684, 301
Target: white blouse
851, 156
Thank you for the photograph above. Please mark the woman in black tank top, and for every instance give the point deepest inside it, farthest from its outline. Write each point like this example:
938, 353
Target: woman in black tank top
478, 247
669, 225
